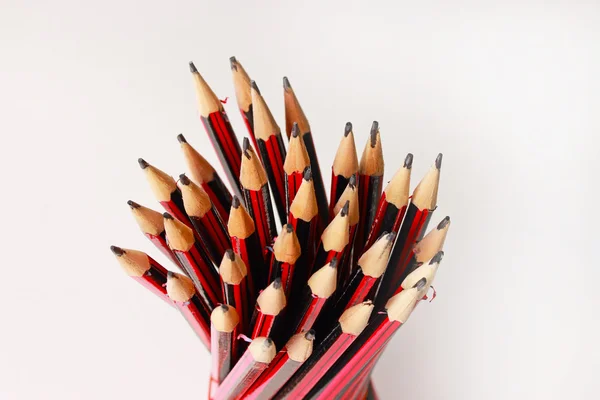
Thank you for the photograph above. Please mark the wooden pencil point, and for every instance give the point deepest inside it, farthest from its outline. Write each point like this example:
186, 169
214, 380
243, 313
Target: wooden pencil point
133, 204
254, 86
117, 251
355, 319
180, 287
224, 318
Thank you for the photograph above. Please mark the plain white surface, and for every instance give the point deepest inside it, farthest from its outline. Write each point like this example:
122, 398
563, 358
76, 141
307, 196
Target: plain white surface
508, 91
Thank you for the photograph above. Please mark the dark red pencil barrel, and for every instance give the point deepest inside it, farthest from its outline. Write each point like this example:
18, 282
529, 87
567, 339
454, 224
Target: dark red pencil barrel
387, 219
214, 234
219, 196
272, 153
261, 211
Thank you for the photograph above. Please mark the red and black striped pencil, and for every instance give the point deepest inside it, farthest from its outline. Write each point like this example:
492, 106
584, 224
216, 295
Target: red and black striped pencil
194, 261
234, 279
245, 243
144, 269
284, 365
350, 196
350, 325
370, 183
286, 251
205, 219
345, 165
152, 226
392, 204
268, 314
224, 324
181, 290
335, 238
243, 95
203, 174
294, 113
219, 130
294, 166
271, 148
256, 195
246, 371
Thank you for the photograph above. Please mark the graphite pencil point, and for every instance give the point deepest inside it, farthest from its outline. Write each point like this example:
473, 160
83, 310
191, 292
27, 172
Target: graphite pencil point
233, 63
245, 147
374, 132
286, 83
345, 209
167, 215
437, 258
277, 283
192, 67
117, 251
143, 163
310, 335
421, 283
230, 254
347, 129
235, 202
133, 204
184, 180
255, 86
295, 130
408, 161
438, 161
181, 138
307, 174
443, 223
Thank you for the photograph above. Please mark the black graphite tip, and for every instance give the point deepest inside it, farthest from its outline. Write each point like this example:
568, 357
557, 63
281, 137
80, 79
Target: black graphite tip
268, 342
246, 147
230, 254
235, 202
347, 129
408, 161
307, 174
117, 251
255, 86
143, 163
310, 335
171, 275
334, 262
192, 67
233, 63
286, 83
184, 179
224, 308
277, 283
352, 180
133, 204
295, 130
420, 284
289, 228
443, 223
374, 132
437, 258
438, 161
345, 209
390, 236
167, 215
181, 138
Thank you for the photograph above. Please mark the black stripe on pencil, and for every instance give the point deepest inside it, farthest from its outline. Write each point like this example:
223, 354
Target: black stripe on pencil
295, 164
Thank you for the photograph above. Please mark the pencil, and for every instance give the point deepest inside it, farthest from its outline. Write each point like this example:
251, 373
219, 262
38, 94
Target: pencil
268, 315
181, 290
345, 165
256, 194
144, 269
350, 324
392, 204
245, 243
271, 148
294, 166
294, 113
194, 261
246, 371
284, 365
286, 251
370, 176
334, 239
234, 279
205, 219
223, 344
152, 226
427, 270
203, 174
241, 84
350, 195
219, 130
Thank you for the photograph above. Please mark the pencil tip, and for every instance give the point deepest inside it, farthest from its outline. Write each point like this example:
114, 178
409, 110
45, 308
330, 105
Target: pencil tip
347, 129
345, 209
437, 258
230, 254
181, 138
295, 130
255, 86
192, 67
286, 83
277, 283
334, 262
133, 204
438, 161
117, 251
420, 283
443, 223
310, 335
143, 163
245, 147
268, 342
233, 63
289, 228
408, 161
352, 180
307, 176
184, 180
374, 132
171, 275
166, 215
390, 236
235, 202
224, 307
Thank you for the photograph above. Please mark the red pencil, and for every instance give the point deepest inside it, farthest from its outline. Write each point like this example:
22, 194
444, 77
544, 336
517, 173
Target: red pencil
205, 219
181, 290
294, 166
203, 174
194, 261
345, 165
269, 144
268, 315
246, 371
241, 84
352, 322
219, 130
392, 204
144, 269
284, 365
152, 225
286, 250
350, 195
334, 239
223, 345
234, 279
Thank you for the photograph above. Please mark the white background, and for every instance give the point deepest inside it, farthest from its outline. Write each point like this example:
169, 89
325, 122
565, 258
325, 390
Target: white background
508, 91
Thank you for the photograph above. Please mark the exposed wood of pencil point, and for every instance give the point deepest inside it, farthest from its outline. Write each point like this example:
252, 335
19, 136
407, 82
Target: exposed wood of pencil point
224, 318
305, 206
133, 262
232, 268
240, 223
354, 320
397, 190
425, 194
293, 110
252, 175
350, 194
179, 235
264, 123
427, 270
345, 162
300, 346
286, 247
195, 199
297, 159
400, 306
336, 235
272, 300
262, 349
162, 184
180, 287
324, 281
208, 102
149, 221
241, 84
371, 162
199, 169
433, 242
374, 261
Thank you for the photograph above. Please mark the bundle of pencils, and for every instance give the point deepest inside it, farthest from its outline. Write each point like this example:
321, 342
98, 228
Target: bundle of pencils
295, 295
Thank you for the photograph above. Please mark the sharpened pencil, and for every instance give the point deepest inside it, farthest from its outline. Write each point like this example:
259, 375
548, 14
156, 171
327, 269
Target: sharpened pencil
268, 315
243, 95
224, 323
286, 251
335, 238
345, 165
235, 283
296, 162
